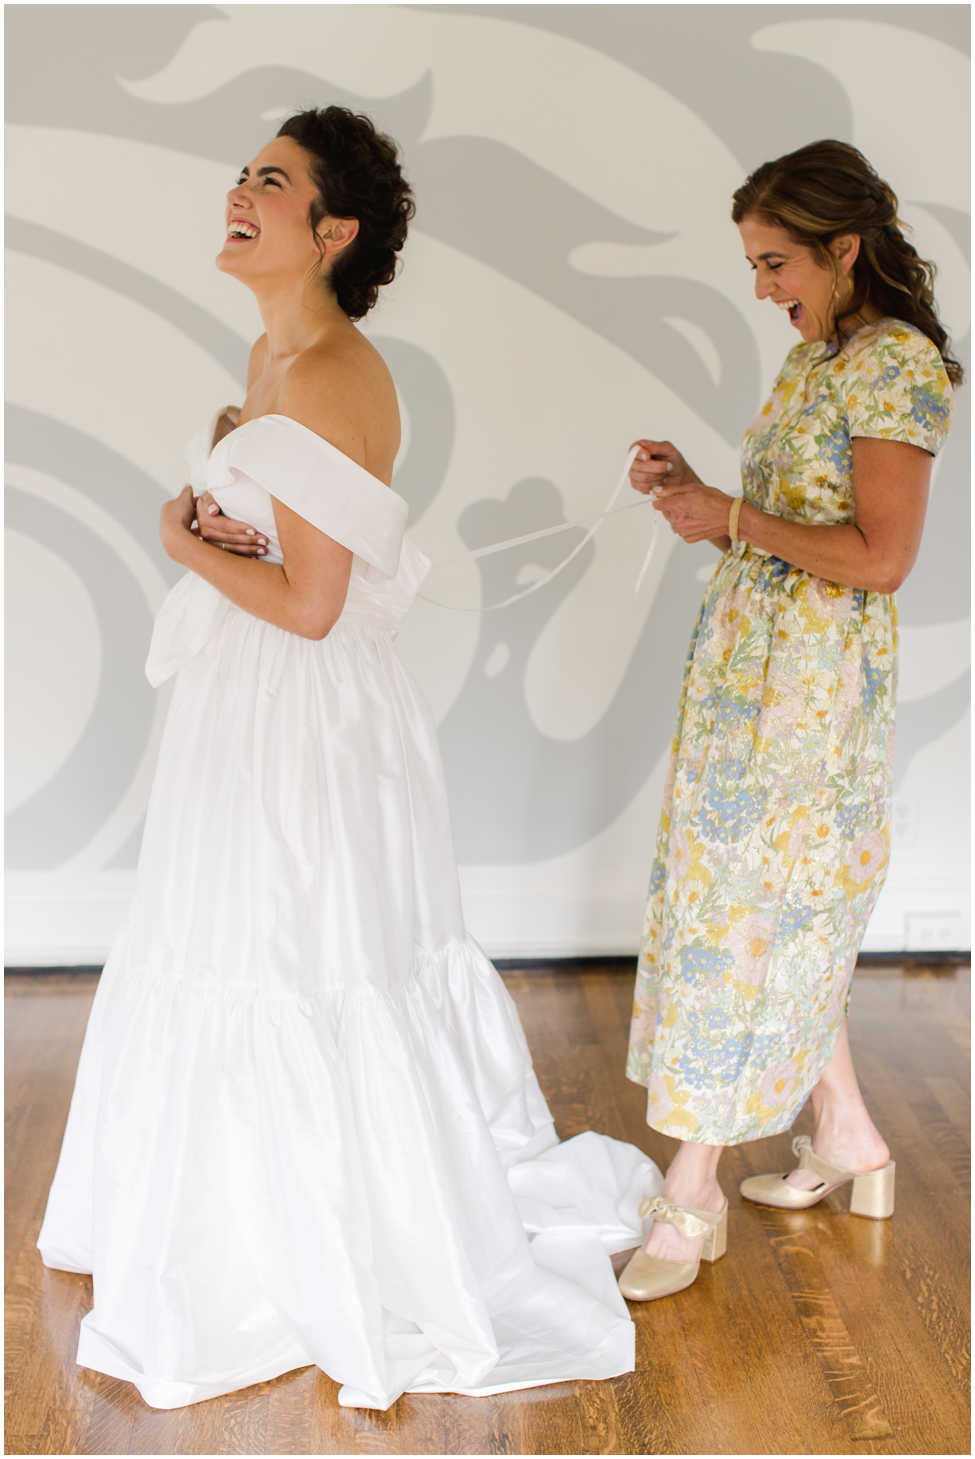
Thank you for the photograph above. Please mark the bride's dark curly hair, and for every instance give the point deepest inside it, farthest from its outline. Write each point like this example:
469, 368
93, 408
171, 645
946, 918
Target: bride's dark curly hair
827, 189
356, 170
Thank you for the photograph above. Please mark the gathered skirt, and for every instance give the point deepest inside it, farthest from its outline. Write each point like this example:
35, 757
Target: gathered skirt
306, 1128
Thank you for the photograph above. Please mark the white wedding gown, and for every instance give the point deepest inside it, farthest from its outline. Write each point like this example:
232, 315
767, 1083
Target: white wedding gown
306, 1128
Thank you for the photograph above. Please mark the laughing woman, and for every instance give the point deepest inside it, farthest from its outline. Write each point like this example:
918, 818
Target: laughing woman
305, 1096
773, 841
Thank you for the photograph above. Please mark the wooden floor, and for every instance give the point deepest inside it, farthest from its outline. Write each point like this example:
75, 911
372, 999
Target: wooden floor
820, 1333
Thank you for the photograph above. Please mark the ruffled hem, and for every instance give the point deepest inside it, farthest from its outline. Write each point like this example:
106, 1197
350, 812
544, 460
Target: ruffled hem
258, 1183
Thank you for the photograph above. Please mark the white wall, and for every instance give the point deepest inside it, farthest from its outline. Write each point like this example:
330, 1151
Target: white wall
572, 281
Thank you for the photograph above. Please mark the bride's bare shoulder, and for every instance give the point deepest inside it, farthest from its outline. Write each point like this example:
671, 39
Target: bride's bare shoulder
342, 390
346, 358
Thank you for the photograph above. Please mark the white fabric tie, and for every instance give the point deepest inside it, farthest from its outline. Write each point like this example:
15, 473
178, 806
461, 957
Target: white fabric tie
593, 524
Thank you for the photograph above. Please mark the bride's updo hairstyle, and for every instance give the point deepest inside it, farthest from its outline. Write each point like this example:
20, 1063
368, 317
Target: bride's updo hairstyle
356, 170
827, 189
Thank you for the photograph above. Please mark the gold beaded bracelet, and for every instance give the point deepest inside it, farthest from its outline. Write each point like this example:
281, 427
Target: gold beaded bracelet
733, 519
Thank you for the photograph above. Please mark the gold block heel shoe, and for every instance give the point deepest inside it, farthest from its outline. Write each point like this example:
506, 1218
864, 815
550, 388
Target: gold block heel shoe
873, 1193
873, 1190
647, 1277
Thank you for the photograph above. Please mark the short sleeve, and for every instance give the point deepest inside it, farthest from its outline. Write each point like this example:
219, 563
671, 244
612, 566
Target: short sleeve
896, 389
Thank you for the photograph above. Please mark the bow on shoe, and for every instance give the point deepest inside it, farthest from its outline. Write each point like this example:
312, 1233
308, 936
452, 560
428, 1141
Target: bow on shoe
685, 1222
809, 1160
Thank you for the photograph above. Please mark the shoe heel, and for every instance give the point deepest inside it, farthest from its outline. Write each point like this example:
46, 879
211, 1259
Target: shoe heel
873, 1194
716, 1241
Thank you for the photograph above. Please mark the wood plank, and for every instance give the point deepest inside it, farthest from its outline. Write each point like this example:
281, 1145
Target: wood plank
494, 1425
90, 1415
848, 1379
145, 1430
956, 1103
235, 1423
414, 1425
554, 1415
304, 1416
46, 1377
598, 1421
42, 1042
864, 1266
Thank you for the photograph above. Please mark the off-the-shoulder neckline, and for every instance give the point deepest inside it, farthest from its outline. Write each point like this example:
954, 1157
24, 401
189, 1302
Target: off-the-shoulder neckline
273, 415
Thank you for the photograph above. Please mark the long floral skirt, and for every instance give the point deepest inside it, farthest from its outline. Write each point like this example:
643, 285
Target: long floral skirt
772, 849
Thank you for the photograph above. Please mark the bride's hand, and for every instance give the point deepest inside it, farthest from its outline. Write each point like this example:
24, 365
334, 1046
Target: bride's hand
659, 463
225, 532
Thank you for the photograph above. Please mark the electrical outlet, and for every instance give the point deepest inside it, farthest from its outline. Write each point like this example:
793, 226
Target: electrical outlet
903, 822
933, 932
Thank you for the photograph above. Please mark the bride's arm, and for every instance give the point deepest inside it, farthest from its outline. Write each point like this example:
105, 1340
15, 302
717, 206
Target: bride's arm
305, 595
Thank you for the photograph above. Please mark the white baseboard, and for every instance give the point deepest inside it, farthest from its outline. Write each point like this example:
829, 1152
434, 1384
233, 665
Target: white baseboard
922, 914
516, 912
523, 911
56, 922
513, 911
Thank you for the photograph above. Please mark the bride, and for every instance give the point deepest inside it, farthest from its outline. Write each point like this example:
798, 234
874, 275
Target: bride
306, 1127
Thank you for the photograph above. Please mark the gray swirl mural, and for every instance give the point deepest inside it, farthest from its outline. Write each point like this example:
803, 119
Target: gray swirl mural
538, 230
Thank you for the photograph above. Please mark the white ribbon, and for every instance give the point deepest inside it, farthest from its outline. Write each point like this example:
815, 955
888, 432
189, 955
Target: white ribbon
593, 523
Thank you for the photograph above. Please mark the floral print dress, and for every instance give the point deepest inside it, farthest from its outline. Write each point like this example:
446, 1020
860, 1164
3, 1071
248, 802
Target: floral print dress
773, 841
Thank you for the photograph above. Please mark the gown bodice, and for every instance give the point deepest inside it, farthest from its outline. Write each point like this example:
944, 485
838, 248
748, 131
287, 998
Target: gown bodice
275, 456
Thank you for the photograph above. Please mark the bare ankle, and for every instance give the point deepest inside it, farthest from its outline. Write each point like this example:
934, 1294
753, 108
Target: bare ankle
844, 1123
852, 1141
705, 1195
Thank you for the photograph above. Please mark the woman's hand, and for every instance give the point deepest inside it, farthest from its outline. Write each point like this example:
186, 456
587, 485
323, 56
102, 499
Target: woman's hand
225, 532
659, 463
696, 513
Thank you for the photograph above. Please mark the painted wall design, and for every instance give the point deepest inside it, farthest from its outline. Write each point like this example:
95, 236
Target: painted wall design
572, 281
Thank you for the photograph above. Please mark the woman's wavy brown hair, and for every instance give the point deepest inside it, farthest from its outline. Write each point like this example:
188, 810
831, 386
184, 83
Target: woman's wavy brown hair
827, 189
357, 173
